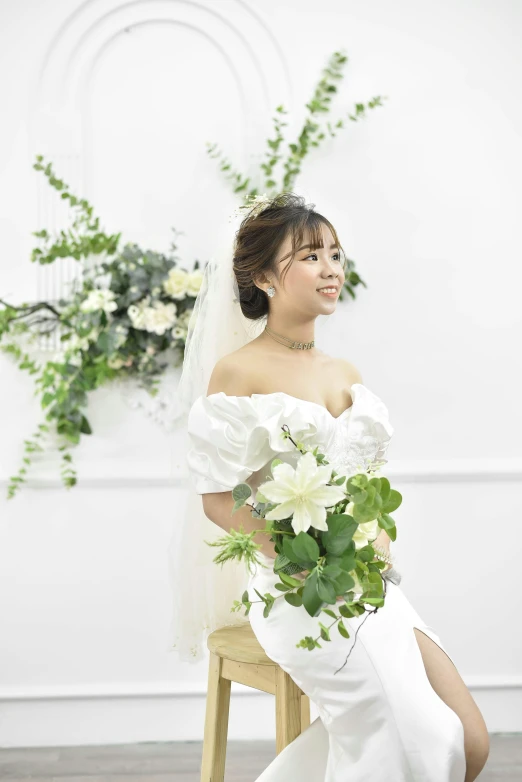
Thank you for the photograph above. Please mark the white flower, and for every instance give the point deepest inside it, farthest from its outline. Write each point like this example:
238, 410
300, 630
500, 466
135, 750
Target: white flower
178, 332
302, 493
176, 284
185, 316
136, 313
77, 343
156, 319
99, 300
195, 279
160, 317
365, 532
115, 363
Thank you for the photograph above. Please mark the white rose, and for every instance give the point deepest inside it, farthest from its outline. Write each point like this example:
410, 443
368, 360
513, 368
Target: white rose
136, 313
195, 279
184, 318
160, 317
176, 284
99, 300
77, 343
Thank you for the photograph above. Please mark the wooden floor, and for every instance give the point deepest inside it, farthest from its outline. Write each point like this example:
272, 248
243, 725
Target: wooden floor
179, 762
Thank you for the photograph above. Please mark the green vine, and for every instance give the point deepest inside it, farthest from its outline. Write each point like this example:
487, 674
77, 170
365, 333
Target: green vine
312, 133
131, 305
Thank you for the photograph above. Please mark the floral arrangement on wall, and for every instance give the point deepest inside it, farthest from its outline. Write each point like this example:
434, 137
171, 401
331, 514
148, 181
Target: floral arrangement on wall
129, 306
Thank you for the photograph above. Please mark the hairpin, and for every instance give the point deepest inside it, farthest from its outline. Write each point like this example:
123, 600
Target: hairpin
254, 204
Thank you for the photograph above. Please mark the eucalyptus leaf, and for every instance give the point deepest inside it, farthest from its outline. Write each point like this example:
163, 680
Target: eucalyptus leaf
311, 600
393, 501
342, 629
294, 599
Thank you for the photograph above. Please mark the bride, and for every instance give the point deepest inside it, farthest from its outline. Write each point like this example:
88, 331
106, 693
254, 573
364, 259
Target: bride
398, 710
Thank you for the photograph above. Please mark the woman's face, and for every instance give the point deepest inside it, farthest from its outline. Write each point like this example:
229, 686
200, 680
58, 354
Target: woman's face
310, 270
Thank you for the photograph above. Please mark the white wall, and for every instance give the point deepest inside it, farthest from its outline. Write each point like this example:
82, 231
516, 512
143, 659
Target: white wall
426, 196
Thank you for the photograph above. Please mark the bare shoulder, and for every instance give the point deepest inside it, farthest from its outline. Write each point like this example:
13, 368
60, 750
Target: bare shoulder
348, 370
234, 374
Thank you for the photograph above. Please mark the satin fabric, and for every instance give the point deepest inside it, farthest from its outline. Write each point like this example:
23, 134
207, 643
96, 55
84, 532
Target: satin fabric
380, 719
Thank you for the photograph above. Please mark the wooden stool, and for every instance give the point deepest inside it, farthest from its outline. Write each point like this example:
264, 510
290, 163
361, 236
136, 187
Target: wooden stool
237, 656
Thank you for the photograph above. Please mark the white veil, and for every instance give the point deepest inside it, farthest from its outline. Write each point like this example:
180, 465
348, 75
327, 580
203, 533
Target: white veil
202, 591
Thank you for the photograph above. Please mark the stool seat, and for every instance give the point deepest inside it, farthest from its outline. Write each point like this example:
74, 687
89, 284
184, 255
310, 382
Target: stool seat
238, 643
237, 656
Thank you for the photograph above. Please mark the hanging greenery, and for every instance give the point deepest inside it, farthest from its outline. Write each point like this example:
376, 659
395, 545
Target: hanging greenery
129, 306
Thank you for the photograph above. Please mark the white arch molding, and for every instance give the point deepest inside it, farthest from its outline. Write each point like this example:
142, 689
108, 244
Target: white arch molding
57, 110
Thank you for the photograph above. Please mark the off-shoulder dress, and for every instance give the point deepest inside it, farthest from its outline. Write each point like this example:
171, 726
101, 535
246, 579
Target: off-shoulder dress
380, 720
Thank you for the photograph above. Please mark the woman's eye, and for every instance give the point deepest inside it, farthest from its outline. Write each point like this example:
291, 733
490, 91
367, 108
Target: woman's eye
315, 254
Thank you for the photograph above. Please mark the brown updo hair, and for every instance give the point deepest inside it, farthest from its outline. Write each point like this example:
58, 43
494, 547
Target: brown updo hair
260, 236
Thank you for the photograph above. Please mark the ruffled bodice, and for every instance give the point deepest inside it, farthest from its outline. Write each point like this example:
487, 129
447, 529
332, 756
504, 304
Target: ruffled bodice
235, 438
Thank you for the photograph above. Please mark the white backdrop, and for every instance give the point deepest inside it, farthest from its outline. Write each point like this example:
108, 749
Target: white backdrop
426, 196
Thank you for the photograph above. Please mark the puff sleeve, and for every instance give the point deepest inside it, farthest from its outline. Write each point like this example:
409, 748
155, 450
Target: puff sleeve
232, 437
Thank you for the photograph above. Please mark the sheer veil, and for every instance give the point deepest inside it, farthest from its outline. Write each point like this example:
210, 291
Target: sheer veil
203, 592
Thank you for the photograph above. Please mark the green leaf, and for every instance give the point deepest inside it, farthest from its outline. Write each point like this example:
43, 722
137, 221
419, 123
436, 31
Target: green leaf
341, 529
85, 427
280, 561
347, 611
330, 613
325, 590
393, 501
288, 549
288, 580
325, 632
384, 490
241, 492
294, 599
305, 548
343, 582
342, 629
376, 483
311, 600
388, 524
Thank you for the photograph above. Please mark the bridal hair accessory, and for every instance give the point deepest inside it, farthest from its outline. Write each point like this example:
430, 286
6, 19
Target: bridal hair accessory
254, 205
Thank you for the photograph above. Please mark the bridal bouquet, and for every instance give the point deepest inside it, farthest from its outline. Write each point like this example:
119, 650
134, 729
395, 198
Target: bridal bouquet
323, 525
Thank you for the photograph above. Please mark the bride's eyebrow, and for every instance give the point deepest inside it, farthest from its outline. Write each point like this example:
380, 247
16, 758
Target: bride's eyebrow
332, 247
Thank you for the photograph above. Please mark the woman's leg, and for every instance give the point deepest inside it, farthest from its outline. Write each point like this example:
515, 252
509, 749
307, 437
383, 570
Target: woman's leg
449, 686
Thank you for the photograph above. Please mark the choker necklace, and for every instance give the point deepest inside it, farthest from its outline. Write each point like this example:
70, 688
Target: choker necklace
294, 345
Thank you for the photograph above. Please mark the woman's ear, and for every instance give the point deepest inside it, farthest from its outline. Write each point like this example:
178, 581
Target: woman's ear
261, 281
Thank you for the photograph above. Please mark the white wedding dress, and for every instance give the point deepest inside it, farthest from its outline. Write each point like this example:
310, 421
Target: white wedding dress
380, 718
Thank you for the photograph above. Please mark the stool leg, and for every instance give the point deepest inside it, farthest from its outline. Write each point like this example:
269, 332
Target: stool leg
216, 723
305, 712
288, 709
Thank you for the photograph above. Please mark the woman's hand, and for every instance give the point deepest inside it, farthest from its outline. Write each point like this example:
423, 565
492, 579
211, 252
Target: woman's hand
383, 541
